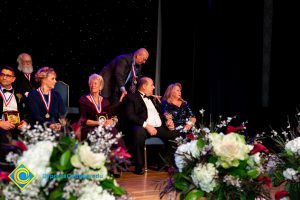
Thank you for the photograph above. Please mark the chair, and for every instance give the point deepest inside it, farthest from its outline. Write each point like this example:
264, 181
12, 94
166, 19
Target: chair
63, 89
151, 141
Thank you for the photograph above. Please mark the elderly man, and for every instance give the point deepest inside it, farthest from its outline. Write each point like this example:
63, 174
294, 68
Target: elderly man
144, 119
24, 76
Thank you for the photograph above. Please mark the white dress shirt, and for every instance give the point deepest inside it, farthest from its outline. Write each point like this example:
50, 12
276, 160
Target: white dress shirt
153, 116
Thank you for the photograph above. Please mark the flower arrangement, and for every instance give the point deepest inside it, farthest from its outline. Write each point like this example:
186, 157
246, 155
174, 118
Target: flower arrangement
284, 167
65, 168
219, 166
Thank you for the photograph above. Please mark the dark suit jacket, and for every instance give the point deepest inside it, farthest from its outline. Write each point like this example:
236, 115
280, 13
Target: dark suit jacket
136, 110
115, 75
22, 84
24, 114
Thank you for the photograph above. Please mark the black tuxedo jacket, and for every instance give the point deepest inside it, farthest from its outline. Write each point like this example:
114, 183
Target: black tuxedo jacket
22, 84
136, 110
24, 114
116, 73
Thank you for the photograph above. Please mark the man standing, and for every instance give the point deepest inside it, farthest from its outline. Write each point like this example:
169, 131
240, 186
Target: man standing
25, 77
144, 119
121, 75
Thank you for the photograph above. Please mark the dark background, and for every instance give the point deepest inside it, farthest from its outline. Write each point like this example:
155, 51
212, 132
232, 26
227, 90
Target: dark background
214, 48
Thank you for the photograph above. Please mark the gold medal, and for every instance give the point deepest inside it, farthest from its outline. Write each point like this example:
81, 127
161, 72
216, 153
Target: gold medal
135, 82
47, 115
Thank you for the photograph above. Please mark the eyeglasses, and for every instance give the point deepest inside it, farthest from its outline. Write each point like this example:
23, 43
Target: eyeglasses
7, 75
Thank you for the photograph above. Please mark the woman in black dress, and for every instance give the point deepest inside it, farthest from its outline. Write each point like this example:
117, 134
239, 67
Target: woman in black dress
178, 113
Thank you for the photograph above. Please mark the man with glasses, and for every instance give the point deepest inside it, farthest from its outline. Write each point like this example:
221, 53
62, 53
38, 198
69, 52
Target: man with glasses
25, 81
11, 112
121, 75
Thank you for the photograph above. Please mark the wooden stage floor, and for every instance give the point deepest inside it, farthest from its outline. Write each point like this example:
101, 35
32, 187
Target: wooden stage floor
144, 187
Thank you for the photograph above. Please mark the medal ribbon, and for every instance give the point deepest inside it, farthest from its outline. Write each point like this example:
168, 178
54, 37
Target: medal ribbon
133, 73
8, 100
27, 76
98, 108
47, 105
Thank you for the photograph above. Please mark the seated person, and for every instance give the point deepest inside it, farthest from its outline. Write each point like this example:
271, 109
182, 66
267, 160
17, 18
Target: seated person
93, 107
12, 111
178, 113
144, 120
45, 104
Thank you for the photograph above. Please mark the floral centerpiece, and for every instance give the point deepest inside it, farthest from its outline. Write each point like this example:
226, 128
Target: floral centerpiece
218, 166
284, 167
65, 168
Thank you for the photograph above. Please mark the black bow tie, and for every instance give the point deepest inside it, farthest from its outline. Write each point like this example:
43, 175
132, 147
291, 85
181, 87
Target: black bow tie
145, 96
5, 90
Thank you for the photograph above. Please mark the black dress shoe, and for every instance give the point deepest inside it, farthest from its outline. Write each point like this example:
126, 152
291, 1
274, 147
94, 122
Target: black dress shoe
139, 171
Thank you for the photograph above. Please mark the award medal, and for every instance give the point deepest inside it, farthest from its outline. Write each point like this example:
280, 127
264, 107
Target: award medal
97, 107
6, 101
134, 75
47, 105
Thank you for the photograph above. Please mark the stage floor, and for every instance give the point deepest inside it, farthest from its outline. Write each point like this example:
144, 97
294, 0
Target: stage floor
146, 186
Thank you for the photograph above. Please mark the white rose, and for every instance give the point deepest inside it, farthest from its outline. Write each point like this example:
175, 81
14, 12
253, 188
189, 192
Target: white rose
90, 159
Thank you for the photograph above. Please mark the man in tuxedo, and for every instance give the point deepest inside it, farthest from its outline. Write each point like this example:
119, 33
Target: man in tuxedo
25, 81
145, 120
11, 112
121, 74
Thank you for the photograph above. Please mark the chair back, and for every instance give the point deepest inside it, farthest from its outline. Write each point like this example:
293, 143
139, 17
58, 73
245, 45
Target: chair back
63, 89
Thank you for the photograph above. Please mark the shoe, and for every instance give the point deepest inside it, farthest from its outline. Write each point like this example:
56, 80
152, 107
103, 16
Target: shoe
139, 171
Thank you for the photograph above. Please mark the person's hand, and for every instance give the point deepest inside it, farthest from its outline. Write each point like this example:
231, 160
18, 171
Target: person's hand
22, 125
6, 125
170, 124
55, 126
187, 127
124, 93
157, 98
108, 122
151, 130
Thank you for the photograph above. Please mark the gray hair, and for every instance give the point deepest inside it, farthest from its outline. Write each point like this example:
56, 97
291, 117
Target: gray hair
97, 77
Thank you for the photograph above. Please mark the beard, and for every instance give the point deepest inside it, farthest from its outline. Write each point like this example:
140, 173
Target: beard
26, 70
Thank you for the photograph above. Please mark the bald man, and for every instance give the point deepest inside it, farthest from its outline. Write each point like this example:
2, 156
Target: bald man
121, 75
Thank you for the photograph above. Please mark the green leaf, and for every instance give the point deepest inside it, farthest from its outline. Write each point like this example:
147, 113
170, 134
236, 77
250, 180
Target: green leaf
194, 195
181, 185
109, 184
56, 194
253, 173
200, 143
65, 162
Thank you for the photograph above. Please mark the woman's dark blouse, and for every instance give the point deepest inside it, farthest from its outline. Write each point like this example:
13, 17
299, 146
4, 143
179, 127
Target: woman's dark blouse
88, 111
38, 111
180, 114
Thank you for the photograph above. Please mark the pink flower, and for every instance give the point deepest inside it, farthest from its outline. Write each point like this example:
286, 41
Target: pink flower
259, 148
122, 153
190, 136
4, 176
280, 194
20, 145
266, 181
232, 129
